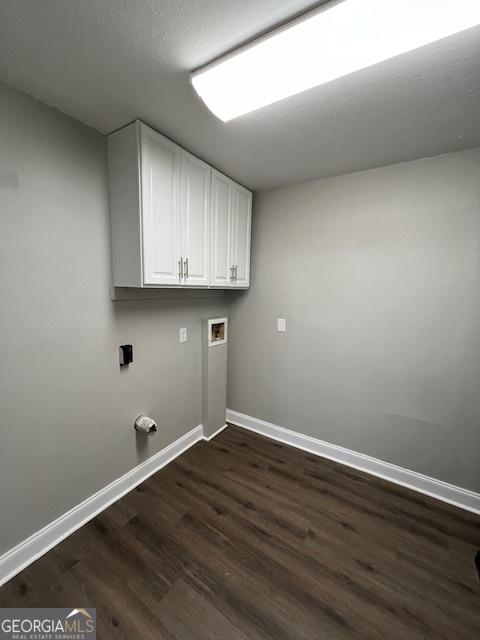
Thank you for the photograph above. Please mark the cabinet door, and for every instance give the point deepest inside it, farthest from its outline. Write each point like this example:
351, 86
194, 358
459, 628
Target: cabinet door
160, 198
242, 218
221, 261
195, 220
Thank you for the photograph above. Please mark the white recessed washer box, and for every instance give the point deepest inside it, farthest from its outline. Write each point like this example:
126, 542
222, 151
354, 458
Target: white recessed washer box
217, 331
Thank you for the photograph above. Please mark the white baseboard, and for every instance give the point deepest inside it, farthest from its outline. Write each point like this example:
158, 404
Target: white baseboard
463, 498
208, 438
16, 559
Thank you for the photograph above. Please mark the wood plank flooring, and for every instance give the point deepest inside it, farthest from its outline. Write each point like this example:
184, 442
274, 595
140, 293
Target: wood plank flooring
244, 538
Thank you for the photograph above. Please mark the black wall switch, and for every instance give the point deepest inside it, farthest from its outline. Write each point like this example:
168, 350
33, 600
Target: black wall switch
126, 354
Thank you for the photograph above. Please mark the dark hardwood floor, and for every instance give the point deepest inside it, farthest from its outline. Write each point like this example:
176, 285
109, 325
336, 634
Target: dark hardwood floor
244, 538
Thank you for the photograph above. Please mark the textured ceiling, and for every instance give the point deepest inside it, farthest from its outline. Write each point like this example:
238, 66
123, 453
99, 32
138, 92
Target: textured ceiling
107, 62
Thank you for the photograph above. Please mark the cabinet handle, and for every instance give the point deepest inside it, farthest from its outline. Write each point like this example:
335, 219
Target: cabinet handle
185, 262
180, 268
232, 268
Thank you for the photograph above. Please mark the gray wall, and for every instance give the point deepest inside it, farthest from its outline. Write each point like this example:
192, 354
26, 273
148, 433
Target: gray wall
66, 409
377, 274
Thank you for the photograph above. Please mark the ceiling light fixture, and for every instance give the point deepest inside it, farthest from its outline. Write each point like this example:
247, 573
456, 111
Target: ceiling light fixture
331, 42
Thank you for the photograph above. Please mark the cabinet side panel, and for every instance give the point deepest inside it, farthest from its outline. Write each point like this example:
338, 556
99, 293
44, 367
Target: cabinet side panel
123, 172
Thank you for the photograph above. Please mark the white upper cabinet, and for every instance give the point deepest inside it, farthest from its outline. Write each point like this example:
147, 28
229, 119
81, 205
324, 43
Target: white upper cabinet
241, 222
221, 263
231, 228
160, 201
175, 221
195, 220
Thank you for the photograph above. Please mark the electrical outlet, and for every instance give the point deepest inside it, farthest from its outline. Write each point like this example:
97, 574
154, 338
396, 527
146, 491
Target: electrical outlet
281, 325
183, 334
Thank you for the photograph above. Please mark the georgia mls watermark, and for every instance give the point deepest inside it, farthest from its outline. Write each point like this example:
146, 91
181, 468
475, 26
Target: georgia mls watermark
48, 624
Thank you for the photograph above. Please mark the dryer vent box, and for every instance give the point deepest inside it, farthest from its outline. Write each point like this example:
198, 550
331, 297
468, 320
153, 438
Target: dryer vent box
214, 374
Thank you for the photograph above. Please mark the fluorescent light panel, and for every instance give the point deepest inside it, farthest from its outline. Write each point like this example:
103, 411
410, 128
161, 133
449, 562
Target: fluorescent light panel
329, 43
